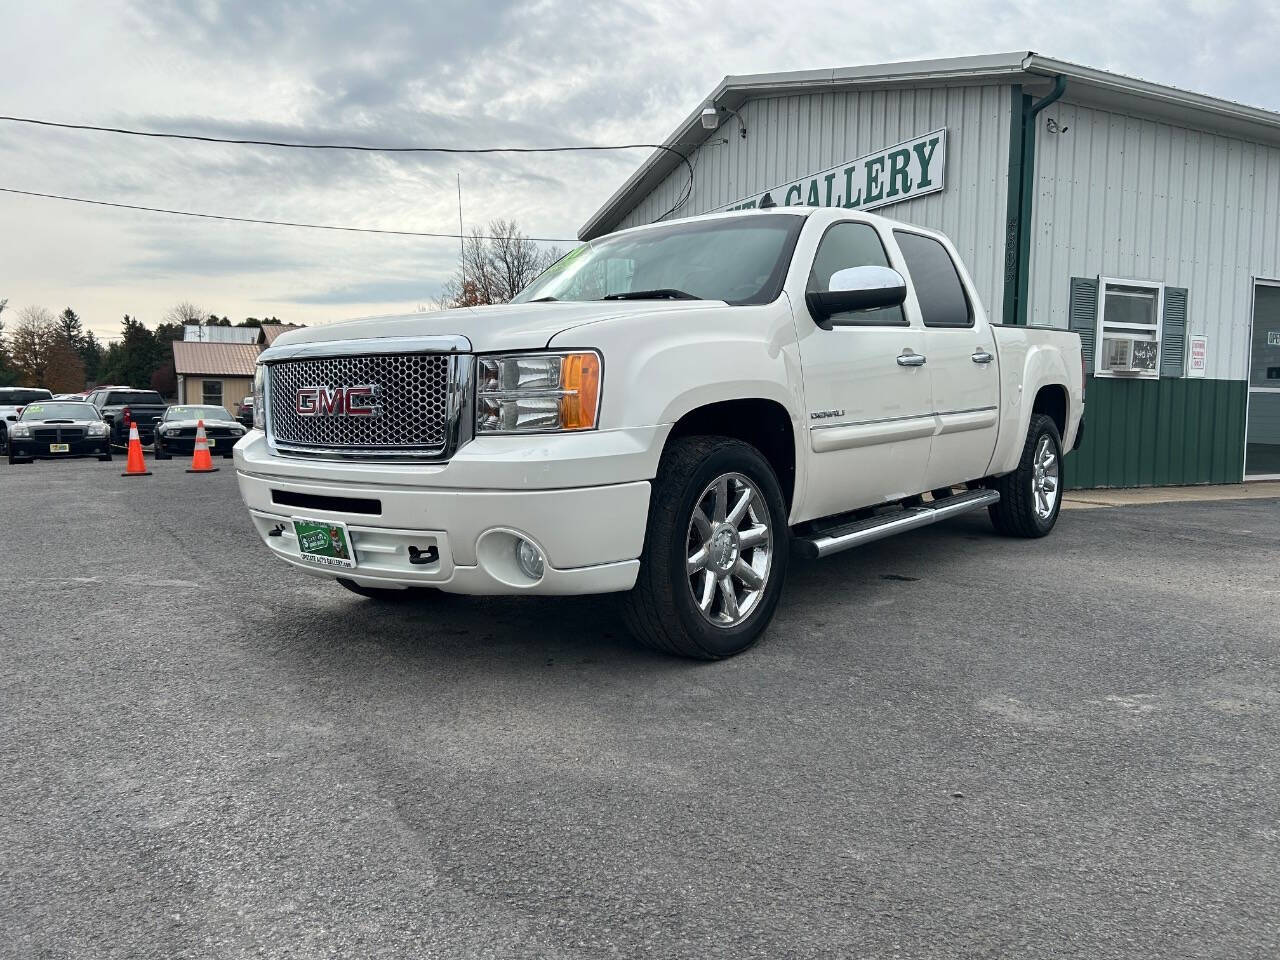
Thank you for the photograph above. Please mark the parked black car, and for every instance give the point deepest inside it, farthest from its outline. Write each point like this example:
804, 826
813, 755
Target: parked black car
122, 406
176, 432
58, 429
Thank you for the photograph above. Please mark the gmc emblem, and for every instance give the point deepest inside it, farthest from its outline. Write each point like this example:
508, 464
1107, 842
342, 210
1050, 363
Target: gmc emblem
359, 401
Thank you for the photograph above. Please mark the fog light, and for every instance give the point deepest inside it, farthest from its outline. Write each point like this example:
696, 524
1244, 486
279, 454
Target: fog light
529, 557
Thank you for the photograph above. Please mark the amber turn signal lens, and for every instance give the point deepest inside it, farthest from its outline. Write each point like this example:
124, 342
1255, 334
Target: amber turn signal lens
580, 379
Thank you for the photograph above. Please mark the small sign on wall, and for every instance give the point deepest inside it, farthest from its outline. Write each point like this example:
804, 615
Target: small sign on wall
1197, 356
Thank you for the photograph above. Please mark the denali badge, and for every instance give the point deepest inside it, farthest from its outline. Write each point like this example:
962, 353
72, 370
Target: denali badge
359, 401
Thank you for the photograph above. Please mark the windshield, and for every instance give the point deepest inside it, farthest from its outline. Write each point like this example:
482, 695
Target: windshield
60, 410
197, 413
739, 260
140, 397
17, 398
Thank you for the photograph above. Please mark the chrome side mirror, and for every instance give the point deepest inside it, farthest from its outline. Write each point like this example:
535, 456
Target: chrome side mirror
855, 289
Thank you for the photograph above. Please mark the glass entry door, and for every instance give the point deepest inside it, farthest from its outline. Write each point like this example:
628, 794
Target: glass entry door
1262, 435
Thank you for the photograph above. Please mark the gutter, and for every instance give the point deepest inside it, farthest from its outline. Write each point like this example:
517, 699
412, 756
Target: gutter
1020, 205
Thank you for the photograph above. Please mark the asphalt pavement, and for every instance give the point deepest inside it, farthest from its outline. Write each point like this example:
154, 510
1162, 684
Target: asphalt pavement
948, 745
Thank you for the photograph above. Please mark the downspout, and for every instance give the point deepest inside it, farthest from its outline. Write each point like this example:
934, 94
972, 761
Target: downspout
1022, 185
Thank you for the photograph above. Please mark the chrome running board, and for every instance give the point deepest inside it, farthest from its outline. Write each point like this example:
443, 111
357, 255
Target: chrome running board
858, 532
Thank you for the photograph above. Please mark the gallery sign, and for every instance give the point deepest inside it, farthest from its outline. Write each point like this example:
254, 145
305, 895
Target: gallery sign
901, 172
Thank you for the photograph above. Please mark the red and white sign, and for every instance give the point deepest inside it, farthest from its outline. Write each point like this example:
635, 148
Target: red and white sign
1197, 356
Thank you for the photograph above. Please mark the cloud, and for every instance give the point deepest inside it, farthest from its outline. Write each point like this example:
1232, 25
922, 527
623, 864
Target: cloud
371, 291
448, 72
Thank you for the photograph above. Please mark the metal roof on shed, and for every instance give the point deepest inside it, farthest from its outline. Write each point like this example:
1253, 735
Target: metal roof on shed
272, 330
214, 359
1036, 73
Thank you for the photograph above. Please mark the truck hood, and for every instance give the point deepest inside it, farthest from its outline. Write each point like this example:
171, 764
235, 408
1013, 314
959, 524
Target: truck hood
512, 326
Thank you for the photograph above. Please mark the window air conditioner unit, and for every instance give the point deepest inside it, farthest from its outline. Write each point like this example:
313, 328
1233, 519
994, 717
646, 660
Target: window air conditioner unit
1127, 355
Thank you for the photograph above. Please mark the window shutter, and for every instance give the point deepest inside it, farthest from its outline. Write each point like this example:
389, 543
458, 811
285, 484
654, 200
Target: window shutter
1173, 336
1082, 316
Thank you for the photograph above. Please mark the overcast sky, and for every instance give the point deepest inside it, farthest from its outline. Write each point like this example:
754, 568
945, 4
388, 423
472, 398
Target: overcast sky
449, 72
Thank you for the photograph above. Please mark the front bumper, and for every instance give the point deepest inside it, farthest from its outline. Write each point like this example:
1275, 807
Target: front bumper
95, 447
218, 446
591, 536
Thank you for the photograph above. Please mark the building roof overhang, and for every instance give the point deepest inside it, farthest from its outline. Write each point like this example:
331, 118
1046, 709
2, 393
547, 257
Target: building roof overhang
1085, 85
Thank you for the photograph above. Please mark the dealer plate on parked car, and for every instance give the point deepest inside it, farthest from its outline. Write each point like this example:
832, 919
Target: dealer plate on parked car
324, 542
59, 448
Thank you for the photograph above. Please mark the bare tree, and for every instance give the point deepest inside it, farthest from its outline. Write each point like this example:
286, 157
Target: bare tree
184, 313
496, 265
64, 370
31, 343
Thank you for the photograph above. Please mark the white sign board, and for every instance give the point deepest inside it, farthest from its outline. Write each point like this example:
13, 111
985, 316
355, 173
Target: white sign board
901, 172
1273, 338
1197, 356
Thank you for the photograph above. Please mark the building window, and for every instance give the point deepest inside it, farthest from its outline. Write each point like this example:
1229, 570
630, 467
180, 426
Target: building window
211, 392
1130, 314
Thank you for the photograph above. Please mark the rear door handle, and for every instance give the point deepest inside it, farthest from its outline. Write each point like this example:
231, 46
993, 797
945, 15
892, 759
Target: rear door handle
910, 359
981, 356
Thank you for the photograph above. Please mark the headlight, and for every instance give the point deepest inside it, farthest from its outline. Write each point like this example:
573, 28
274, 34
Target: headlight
97, 430
259, 397
537, 392
21, 430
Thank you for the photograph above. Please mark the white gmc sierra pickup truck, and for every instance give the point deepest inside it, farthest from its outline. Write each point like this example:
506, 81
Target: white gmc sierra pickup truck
667, 412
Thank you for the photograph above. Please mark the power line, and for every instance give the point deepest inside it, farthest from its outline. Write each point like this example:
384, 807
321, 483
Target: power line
274, 223
368, 148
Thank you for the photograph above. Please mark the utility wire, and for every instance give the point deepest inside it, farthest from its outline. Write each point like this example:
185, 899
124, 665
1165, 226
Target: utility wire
274, 223
364, 148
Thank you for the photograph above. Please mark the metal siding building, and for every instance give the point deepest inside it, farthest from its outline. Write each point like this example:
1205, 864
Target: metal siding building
1116, 182
794, 134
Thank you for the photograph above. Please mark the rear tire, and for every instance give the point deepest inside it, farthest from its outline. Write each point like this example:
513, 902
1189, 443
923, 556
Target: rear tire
717, 525
1031, 496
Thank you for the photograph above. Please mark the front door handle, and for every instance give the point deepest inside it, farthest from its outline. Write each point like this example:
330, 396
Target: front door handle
910, 359
981, 356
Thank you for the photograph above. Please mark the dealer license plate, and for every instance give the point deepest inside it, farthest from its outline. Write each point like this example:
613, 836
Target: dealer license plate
59, 448
212, 441
324, 543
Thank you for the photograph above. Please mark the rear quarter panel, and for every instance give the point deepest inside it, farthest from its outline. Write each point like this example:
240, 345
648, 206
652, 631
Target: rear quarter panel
1032, 358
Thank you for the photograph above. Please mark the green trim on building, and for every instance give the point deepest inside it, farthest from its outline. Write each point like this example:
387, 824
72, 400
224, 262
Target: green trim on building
1171, 431
1013, 205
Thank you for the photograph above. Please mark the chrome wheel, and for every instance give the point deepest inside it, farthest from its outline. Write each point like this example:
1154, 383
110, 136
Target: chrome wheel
1044, 479
729, 547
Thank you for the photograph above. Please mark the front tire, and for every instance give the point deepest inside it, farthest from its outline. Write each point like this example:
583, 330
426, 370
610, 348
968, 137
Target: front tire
1031, 496
715, 553
159, 452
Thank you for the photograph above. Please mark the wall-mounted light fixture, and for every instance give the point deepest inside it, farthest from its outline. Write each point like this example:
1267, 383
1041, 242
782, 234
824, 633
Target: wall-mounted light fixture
711, 119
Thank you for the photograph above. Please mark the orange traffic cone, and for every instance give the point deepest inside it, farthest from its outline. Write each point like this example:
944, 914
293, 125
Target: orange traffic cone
201, 462
136, 466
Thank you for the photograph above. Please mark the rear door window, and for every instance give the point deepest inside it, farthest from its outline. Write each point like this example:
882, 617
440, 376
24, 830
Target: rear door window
943, 302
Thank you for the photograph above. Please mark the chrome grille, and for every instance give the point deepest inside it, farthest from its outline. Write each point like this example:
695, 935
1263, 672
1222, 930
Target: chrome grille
413, 395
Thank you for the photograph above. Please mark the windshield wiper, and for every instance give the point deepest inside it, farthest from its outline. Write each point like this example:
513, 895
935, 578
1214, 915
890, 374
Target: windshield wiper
545, 300
661, 293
